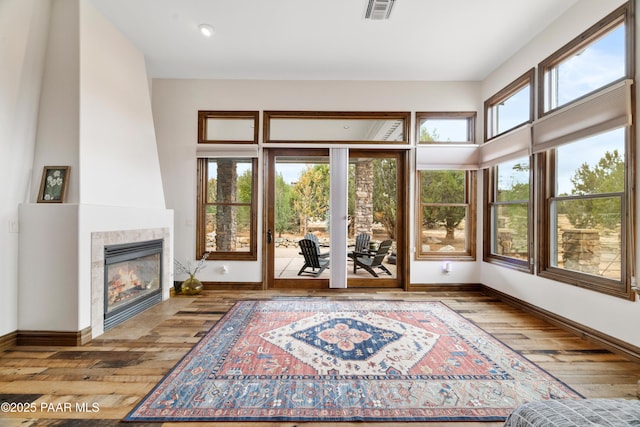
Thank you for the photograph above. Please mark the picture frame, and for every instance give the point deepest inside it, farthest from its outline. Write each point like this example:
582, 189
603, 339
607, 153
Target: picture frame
53, 186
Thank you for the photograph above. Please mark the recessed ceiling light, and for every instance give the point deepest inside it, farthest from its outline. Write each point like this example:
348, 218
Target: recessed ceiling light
206, 30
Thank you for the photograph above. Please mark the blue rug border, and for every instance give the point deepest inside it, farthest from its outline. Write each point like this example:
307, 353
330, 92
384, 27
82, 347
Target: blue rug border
133, 419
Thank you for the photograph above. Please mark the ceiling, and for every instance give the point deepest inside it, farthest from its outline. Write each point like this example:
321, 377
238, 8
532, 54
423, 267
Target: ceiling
430, 40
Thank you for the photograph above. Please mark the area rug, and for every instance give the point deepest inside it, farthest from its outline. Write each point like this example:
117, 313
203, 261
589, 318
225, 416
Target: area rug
321, 360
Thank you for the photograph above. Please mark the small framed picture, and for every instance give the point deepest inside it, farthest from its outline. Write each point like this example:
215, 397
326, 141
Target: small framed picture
53, 186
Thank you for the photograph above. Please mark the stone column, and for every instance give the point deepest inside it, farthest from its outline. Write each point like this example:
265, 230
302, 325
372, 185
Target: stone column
581, 250
226, 216
363, 212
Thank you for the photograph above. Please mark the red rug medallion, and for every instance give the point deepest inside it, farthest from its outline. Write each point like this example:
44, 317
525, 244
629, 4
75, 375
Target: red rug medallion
313, 359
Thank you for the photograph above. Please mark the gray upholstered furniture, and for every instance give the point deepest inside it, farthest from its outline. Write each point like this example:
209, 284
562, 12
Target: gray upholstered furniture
576, 413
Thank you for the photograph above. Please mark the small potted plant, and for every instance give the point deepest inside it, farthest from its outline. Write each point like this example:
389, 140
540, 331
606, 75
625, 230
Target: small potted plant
191, 286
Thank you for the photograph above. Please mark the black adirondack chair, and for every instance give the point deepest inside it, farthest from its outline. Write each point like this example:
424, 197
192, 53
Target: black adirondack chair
315, 240
373, 260
361, 248
312, 259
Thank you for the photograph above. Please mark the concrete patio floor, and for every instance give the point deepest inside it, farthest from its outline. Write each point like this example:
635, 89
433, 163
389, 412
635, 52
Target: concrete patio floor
288, 262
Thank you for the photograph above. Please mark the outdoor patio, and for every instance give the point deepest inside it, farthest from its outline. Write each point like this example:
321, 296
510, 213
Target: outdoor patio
288, 262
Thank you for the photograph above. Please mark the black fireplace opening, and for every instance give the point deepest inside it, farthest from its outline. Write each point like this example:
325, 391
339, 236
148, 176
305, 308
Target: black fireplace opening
132, 279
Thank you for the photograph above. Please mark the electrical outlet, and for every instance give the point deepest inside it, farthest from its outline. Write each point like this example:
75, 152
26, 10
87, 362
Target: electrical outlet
14, 226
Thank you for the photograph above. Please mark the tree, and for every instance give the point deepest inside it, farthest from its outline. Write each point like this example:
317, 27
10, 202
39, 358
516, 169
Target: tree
245, 184
513, 186
385, 194
311, 195
283, 205
607, 176
440, 192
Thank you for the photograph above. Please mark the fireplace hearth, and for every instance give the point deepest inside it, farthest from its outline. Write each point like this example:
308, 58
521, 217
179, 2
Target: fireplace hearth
132, 279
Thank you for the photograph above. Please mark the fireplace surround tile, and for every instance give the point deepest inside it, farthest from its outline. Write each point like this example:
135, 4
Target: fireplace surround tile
104, 238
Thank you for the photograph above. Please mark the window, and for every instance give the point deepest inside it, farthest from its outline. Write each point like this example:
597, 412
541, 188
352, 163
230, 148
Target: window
583, 145
509, 108
227, 127
446, 127
227, 200
590, 62
324, 127
446, 214
507, 218
586, 227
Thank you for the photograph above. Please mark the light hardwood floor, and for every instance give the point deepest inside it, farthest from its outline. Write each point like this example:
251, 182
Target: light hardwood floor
113, 372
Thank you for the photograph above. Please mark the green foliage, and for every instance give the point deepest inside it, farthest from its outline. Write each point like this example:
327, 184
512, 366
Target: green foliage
284, 214
607, 176
439, 191
513, 186
385, 194
311, 195
244, 190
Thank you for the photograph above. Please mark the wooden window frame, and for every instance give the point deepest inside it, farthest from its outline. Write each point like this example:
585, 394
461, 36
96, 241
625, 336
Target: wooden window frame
470, 116
527, 79
623, 14
268, 116
545, 167
203, 117
490, 204
252, 254
470, 229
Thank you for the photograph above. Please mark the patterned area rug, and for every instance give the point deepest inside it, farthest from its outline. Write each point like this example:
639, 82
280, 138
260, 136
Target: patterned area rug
313, 359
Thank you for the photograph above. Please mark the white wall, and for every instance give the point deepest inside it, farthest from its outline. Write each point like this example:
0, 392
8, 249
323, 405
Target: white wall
95, 115
175, 107
23, 35
59, 110
118, 155
613, 316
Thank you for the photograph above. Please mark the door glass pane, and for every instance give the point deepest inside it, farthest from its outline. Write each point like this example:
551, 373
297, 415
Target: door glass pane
301, 210
372, 212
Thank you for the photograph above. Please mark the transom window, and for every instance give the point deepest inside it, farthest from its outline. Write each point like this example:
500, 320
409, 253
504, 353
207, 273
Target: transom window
586, 64
510, 108
457, 127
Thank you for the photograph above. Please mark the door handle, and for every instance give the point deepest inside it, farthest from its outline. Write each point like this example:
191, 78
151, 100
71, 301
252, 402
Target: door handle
269, 236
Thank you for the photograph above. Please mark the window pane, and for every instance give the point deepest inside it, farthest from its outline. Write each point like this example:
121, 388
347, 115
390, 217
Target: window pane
587, 236
511, 227
599, 64
443, 229
234, 183
444, 130
223, 129
443, 186
513, 180
228, 228
591, 166
513, 111
336, 129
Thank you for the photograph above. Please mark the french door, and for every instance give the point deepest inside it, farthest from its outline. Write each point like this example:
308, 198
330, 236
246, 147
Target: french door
331, 196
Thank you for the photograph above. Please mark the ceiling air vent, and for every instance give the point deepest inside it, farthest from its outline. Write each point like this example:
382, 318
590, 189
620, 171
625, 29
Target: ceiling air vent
379, 9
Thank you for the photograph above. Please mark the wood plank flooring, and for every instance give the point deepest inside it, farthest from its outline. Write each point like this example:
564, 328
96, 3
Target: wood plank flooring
99, 383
